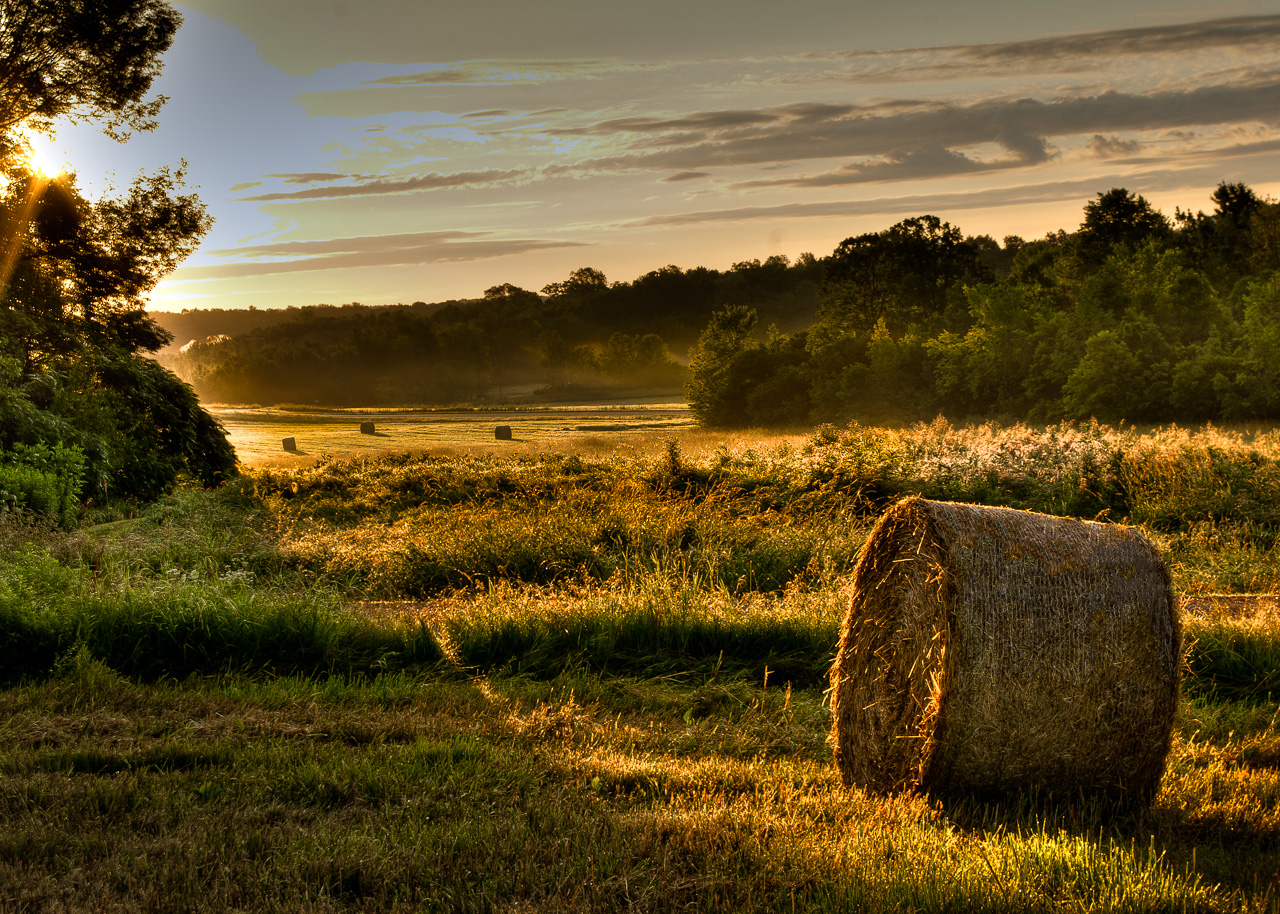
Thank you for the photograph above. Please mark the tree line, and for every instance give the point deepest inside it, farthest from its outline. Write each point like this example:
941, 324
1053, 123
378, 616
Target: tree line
582, 335
1134, 316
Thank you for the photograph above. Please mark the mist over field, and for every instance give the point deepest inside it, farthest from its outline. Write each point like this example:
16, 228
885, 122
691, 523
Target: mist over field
1133, 316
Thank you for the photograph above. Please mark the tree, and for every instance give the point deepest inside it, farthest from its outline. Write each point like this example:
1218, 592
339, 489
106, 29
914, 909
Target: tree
582, 283
714, 396
1236, 203
1116, 218
906, 273
75, 274
82, 59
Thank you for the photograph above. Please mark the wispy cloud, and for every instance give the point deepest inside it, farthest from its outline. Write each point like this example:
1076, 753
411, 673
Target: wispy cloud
930, 161
309, 177
1073, 53
482, 72
1052, 191
367, 186
367, 251
1238, 32
431, 78
1110, 147
917, 134
891, 140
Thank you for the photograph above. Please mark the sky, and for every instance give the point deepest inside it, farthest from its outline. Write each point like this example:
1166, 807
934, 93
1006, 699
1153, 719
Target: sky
388, 151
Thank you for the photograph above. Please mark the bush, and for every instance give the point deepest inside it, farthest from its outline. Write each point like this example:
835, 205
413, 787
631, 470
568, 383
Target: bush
43, 479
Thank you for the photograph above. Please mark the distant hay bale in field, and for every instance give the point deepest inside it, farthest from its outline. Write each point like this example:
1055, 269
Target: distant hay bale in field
366, 428
289, 444
502, 433
988, 650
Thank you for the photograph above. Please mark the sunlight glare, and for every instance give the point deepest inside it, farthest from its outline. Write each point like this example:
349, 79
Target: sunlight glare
45, 161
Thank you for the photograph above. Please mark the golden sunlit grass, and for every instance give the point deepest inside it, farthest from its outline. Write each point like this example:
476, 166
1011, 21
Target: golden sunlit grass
257, 433
583, 793
594, 682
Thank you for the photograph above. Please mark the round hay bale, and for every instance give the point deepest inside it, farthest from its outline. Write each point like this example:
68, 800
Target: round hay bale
502, 433
289, 444
988, 650
366, 428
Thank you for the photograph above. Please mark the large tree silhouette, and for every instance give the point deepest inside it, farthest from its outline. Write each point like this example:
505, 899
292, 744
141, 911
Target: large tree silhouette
75, 274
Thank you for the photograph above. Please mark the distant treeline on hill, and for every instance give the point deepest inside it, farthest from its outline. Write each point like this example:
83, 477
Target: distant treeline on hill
584, 335
1133, 316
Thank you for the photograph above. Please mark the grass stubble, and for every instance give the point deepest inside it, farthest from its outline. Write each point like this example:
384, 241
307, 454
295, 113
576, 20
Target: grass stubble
597, 685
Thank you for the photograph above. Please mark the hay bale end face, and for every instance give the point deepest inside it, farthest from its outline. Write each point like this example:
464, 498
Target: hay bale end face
502, 433
988, 651
366, 428
289, 444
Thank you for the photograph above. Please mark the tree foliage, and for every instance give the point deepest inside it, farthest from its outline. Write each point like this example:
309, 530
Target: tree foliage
906, 274
585, 335
75, 377
77, 59
1131, 317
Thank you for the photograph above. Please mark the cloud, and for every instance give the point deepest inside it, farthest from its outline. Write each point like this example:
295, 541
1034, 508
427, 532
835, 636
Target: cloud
367, 251
487, 73
245, 185
1237, 32
1079, 52
382, 186
1047, 192
1110, 147
1215, 155
896, 139
309, 177
702, 121
1020, 125
433, 78
930, 161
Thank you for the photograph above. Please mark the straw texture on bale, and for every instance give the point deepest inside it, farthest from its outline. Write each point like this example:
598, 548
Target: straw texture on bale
289, 444
366, 428
989, 650
502, 433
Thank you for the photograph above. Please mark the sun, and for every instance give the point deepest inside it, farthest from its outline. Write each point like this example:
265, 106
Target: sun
45, 161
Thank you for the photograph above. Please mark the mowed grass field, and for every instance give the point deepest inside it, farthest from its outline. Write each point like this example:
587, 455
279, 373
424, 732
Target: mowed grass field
257, 433
588, 673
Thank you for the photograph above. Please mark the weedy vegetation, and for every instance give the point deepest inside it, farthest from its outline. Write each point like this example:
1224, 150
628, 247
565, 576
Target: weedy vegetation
589, 682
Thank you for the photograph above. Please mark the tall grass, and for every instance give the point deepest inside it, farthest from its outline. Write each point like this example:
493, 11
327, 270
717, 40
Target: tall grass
1233, 660
611, 683
48, 611
655, 630
761, 520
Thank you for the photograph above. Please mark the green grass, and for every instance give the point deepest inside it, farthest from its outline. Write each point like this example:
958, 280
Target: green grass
608, 697
183, 628
586, 792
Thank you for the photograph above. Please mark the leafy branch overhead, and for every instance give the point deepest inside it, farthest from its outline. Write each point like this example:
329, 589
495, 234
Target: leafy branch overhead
82, 59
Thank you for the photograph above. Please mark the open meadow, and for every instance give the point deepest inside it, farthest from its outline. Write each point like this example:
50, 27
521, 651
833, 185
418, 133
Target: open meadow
257, 433
586, 671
